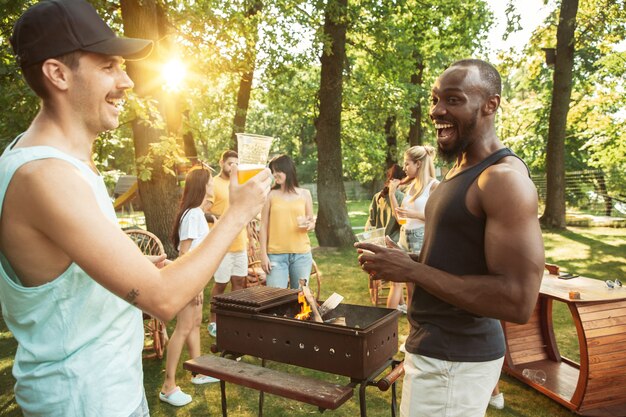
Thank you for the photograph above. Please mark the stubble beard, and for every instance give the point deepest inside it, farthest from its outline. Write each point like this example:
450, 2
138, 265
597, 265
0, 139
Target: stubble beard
465, 138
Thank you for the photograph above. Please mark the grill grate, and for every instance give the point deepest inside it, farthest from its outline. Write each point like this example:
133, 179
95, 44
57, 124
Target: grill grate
254, 299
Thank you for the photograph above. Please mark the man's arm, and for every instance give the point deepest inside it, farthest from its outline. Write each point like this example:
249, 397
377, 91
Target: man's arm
263, 235
513, 248
57, 210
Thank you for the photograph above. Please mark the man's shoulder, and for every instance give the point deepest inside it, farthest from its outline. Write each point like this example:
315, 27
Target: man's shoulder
506, 168
42, 170
507, 181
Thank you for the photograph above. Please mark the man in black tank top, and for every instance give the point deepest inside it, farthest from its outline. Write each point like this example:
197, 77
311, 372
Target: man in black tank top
482, 259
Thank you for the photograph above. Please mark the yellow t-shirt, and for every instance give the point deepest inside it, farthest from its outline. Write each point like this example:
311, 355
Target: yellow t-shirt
220, 204
284, 235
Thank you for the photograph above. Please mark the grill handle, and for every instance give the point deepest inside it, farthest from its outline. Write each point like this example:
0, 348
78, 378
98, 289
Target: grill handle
384, 383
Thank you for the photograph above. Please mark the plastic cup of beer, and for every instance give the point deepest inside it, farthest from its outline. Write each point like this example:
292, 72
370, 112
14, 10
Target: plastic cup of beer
375, 236
247, 171
253, 151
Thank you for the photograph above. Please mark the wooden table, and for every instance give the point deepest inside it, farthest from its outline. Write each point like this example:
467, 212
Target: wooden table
596, 386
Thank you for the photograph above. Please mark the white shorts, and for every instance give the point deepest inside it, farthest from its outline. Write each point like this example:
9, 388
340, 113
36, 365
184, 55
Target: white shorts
234, 264
438, 388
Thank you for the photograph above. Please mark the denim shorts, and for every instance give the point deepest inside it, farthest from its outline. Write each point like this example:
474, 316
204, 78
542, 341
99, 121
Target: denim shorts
288, 268
413, 239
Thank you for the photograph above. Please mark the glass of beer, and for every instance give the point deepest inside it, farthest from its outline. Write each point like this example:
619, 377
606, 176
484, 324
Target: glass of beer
253, 151
401, 217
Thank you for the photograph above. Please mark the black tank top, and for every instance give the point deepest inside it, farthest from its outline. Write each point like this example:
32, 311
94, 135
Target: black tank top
454, 242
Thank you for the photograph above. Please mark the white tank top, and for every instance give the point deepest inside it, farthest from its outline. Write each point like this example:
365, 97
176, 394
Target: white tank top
419, 204
79, 345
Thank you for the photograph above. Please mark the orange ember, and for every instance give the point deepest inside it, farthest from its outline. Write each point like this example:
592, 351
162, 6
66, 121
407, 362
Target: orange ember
305, 311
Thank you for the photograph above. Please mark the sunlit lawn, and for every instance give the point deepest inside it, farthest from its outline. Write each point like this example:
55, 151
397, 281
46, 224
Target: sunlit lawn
593, 252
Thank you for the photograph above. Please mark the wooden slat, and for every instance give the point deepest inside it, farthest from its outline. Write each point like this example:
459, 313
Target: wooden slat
611, 356
605, 348
296, 387
514, 333
606, 340
602, 306
529, 358
611, 372
617, 362
595, 384
612, 312
606, 331
522, 342
605, 322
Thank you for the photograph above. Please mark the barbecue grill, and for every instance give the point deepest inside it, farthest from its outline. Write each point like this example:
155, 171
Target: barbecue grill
260, 321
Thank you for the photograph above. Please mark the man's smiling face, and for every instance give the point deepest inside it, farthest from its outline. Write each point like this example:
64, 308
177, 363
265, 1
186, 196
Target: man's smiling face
457, 97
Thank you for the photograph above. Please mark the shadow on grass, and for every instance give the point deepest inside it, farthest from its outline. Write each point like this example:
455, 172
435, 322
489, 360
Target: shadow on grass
580, 250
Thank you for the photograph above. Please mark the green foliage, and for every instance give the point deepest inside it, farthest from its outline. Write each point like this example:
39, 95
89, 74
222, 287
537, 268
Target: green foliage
19, 105
387, 42
167, 150
596, 120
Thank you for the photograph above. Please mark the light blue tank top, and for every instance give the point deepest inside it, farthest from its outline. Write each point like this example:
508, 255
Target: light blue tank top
79, 345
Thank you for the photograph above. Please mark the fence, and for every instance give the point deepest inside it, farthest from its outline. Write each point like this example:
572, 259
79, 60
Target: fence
586, 192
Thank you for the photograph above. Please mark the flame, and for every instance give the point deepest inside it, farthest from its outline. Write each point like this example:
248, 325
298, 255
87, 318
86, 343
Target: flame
305, 311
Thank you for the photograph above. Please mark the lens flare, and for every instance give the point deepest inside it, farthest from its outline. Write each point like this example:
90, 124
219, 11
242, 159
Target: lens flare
173, 73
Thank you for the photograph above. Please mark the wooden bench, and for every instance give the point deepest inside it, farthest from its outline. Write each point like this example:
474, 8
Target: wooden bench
325, 395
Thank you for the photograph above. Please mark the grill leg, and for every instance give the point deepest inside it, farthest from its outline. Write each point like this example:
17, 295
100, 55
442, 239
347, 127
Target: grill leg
223, 390
362, 402
261, 394
394, 402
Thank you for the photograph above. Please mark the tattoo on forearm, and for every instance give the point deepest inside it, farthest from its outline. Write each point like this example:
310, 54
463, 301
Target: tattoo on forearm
132, 296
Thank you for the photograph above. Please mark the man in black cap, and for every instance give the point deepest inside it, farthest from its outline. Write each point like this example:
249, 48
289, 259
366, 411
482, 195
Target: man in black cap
71, 282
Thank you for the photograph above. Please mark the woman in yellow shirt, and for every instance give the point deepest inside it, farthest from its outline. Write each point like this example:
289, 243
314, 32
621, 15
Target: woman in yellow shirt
286, 219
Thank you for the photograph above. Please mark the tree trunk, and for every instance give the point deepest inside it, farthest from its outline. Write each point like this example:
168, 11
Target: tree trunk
392, 142
333, 226
416, 131
245, 83
159, 195
554, 213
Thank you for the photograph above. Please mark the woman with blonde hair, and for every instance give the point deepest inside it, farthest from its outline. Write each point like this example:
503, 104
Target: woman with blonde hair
420, 170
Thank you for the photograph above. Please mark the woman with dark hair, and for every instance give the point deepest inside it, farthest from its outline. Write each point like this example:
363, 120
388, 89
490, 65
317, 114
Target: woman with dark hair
190, 229
286, 218
380, 211
381, 215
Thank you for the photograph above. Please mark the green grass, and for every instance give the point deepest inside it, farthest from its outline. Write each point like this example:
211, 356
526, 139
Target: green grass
594, 252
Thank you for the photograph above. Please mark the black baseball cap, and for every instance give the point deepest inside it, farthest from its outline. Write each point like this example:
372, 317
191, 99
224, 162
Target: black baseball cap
52, 28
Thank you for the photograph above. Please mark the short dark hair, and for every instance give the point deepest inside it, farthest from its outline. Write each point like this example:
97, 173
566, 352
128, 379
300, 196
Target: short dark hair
284, 164
488, 73
228, 154
34, 77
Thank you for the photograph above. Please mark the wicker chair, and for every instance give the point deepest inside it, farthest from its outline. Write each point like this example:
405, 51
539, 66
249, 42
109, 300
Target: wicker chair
155, 332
